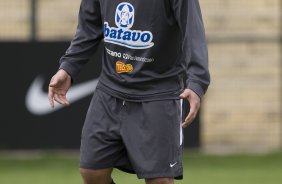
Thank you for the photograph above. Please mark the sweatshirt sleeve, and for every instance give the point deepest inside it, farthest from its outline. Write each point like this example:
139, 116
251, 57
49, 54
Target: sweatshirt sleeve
194, 46
88, 35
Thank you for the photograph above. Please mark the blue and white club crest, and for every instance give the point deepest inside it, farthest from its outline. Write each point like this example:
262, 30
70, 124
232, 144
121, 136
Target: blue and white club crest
122, 34
124, 15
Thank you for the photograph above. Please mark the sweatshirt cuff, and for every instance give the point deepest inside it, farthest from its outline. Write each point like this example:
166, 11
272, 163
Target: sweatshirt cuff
197, 88
70, 69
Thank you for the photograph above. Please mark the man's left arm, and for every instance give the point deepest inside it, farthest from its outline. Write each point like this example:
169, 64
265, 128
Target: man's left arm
194, 47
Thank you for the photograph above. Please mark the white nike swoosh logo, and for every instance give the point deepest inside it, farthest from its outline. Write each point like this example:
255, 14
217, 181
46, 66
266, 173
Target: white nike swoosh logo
172, 165
37, 100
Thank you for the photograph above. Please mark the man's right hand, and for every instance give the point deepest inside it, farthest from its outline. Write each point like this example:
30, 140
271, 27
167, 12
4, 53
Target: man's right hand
58, 88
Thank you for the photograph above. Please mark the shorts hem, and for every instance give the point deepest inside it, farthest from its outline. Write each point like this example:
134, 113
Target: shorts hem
124, 169
160, 175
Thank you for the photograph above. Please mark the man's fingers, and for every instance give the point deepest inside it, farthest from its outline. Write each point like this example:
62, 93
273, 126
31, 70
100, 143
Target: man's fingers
194, 101
191, 116
58, 87
58, 99
61, 99
51, 98
186, 124
194, 108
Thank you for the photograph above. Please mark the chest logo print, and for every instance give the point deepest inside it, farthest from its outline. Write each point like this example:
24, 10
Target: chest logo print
122, 34
124, 15
123, 68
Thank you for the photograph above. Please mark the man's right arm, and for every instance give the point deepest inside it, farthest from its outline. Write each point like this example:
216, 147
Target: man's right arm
88, 35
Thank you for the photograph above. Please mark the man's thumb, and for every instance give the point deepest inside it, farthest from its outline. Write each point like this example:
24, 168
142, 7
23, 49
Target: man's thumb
53, 83
184, 94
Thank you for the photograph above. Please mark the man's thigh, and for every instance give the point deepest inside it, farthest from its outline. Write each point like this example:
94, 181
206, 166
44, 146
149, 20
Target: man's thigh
101, 143
152, 134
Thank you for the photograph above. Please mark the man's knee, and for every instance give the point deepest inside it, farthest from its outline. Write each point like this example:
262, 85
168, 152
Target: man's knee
160, 181
99, 176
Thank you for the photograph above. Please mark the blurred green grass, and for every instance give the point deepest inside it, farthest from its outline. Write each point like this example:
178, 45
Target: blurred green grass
54, 168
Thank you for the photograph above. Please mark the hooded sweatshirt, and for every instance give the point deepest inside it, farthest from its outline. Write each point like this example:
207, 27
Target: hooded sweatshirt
152, 49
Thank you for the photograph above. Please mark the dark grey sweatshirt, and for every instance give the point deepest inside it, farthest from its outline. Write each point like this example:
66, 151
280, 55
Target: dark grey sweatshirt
153, 49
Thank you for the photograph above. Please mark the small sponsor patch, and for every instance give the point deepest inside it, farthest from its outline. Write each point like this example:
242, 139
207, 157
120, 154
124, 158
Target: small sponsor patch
123, 68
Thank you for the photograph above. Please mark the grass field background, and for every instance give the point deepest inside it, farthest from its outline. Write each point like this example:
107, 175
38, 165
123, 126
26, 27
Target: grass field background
58, 168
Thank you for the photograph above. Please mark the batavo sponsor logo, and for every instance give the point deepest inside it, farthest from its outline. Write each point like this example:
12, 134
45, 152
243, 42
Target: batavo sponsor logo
123, 68
123, 35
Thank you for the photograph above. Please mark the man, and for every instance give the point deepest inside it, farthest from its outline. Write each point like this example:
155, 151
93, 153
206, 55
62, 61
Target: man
155, 54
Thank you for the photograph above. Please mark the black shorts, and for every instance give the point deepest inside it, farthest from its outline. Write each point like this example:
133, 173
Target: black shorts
137, 137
